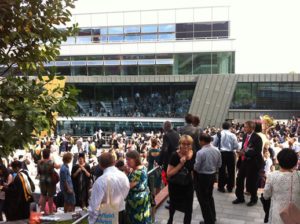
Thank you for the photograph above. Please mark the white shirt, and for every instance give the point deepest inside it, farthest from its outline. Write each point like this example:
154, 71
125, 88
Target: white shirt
229, 141
119, 185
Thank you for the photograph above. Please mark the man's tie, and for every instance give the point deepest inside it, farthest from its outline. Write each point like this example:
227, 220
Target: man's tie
246, 143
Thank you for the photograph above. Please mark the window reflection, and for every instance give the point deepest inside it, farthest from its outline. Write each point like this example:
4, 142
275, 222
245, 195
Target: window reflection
166, 28
115, 30
267, 96
132, 29
168, 36
187, 63
179, 31
83, 40
149, 29
149, 37
138, 100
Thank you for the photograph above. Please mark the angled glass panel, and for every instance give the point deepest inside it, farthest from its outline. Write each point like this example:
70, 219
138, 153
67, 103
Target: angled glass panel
115, 30
202, 35
166, 28
203, 27
149, 37
220, 26
184, 36
184, 27
132, 29
220, 33
149, 29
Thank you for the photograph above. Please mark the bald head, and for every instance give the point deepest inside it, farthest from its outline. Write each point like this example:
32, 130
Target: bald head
167, 126
106, 160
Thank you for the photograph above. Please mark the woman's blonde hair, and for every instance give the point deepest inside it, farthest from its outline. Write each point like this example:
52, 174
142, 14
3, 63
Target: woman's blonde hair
186, 137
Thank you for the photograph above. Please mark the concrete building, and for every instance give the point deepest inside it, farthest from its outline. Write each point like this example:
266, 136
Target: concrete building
138, 68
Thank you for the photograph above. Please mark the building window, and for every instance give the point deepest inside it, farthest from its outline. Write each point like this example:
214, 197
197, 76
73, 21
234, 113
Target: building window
266, 96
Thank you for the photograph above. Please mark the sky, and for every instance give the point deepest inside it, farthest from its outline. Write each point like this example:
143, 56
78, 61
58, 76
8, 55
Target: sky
266, 32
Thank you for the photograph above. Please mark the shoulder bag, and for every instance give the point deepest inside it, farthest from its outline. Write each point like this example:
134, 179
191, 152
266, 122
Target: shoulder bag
183, 177
291, 213
54, 176
108, 212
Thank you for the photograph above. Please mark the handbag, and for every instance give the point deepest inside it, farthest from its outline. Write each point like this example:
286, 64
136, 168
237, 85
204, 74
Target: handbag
182, 178
54, 177
291, 213
108, 212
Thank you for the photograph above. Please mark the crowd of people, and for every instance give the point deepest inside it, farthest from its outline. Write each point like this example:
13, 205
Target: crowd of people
152, 105
87, 172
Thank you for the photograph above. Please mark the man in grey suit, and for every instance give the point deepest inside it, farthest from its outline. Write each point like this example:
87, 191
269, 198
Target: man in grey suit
192, 131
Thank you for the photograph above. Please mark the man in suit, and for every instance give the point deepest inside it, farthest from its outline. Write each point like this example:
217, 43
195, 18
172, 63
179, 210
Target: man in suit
192, 131
170, 144
249, 163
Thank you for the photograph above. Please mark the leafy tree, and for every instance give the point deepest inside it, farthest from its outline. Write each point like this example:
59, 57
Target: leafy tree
30, 36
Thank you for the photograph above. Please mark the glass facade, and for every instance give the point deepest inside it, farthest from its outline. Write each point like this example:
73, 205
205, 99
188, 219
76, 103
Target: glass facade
145, 33
88, 128
267, 96
147, 64
138, 100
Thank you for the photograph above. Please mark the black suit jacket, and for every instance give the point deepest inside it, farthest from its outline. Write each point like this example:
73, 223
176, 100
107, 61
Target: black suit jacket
170, 145
253, 156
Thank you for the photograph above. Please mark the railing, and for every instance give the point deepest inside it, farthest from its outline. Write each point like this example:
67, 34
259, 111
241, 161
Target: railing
151, 172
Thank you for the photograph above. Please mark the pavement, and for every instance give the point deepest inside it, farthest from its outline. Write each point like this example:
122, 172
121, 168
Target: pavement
226, 211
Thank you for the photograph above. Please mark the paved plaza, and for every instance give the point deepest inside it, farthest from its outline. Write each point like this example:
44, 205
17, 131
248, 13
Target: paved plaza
226, 211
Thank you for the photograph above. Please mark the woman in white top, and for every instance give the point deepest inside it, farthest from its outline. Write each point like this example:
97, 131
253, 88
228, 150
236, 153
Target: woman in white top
279, 184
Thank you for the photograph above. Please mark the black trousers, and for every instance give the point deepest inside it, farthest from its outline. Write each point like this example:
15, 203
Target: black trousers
227, 171
122, 217
251, 175
204, 184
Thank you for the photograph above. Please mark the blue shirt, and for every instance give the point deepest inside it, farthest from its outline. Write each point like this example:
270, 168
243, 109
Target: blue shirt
229, 141
65, 177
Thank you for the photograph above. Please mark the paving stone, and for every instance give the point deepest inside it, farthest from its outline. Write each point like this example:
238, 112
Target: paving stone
226, 211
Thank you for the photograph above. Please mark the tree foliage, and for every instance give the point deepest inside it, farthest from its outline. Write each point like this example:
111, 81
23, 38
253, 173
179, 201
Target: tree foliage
30, 36
31, 33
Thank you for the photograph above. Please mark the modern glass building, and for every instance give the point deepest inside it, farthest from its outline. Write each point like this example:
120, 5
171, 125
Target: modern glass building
136, 69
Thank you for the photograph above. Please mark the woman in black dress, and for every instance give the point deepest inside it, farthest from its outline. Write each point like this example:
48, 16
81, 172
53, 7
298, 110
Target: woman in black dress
181, 194
81, 176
